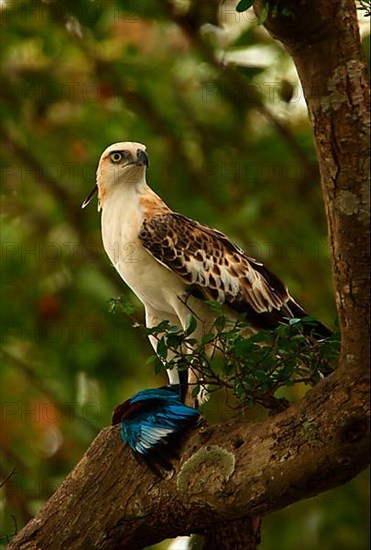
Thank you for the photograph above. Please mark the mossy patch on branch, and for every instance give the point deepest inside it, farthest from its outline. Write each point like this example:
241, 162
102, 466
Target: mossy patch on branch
206, 471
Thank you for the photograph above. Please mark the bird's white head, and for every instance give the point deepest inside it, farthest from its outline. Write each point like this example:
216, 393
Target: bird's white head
123, 163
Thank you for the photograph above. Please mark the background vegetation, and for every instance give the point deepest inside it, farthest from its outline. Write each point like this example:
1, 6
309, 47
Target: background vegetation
229, 144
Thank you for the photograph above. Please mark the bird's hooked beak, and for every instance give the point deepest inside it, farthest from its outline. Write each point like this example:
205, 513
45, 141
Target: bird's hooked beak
142, 158
90, 196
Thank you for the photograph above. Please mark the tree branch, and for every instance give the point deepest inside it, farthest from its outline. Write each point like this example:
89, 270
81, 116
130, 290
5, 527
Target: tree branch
228, 471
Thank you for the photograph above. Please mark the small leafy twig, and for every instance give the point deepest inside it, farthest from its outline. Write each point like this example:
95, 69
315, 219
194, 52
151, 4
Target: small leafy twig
252, 366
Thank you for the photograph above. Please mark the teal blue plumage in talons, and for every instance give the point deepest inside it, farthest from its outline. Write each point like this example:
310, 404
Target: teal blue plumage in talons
153, 422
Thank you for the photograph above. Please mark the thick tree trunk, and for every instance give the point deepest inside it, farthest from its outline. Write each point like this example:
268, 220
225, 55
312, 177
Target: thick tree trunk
322, 37
238, 470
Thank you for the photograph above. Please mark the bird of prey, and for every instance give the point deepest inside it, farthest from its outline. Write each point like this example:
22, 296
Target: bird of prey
176, 265
153, 422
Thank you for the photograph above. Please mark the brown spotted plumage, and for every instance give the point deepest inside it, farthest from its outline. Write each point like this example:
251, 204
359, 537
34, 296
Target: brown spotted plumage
206, 258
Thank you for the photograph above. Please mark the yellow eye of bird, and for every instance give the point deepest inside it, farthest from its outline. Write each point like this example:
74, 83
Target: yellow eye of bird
116, 157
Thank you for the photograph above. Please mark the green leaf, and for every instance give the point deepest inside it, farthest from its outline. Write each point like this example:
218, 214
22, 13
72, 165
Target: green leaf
215, 306
162, 327
244, 5
175, 340
158, 365
207, 338
196, 390
174, 328
162, 349
294, 321
219, 323
191, 341
191, 324
243, 347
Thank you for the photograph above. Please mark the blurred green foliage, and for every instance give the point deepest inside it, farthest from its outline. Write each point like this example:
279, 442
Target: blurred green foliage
228, 146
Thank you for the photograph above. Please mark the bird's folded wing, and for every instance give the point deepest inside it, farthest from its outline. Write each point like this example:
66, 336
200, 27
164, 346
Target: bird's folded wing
206, 259
146, 431
143, 436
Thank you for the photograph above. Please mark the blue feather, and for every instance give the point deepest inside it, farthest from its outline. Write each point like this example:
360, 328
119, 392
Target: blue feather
153, 422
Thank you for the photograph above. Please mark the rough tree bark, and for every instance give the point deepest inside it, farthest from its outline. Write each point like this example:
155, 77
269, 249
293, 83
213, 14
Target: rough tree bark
238, 470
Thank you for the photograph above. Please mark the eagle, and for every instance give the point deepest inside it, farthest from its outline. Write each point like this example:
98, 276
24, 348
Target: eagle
177, 266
